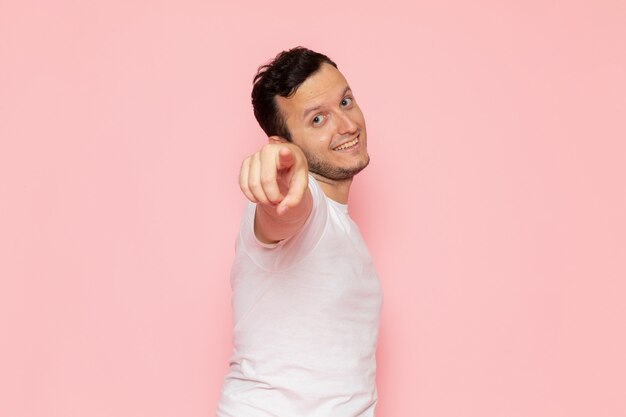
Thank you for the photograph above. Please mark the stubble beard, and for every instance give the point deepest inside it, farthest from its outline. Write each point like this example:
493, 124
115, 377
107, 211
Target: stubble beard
335, 173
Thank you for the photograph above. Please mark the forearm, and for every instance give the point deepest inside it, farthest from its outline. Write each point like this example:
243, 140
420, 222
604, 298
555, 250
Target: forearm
270, 227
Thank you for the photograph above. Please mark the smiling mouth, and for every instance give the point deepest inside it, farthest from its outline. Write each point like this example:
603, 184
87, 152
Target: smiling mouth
347, 145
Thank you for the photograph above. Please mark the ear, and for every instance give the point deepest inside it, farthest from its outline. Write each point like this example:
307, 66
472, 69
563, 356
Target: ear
277, 140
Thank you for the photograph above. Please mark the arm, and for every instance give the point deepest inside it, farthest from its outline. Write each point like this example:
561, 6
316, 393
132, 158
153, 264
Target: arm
276, 179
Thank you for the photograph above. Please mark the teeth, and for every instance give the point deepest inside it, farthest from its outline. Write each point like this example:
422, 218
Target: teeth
347, 145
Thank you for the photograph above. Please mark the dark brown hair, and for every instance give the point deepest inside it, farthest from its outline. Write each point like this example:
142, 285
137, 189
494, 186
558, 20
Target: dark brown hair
282, 77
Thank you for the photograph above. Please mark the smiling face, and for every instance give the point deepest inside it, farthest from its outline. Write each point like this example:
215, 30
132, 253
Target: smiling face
327, 124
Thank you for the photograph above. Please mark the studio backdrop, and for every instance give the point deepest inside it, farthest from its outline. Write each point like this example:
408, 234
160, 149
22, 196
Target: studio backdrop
494, 206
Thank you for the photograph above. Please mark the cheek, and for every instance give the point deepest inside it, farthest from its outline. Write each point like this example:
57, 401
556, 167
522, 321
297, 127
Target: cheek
323, 136
322, 139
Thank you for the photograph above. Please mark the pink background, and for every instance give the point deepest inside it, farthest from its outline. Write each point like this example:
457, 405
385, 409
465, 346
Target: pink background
494, 206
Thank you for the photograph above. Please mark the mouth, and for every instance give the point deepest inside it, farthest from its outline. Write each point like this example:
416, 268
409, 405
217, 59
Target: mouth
347, 145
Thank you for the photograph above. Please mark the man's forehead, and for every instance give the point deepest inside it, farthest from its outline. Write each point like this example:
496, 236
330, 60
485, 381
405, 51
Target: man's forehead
324, 85
327, 79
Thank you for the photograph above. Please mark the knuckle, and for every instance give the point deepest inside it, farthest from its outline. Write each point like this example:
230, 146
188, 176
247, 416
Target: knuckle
266, 180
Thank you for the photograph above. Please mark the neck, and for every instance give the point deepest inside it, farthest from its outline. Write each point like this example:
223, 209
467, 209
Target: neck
337, 190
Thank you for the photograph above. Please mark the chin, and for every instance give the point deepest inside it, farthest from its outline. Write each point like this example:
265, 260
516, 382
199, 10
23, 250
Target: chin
363, 165
338, 173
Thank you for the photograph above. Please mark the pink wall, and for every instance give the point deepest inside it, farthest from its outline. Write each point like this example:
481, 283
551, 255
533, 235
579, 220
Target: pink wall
494, 206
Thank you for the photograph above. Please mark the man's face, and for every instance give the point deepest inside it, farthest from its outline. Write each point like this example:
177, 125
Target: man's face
327, 124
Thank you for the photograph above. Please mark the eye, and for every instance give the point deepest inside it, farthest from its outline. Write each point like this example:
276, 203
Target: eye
346, 101
318, 120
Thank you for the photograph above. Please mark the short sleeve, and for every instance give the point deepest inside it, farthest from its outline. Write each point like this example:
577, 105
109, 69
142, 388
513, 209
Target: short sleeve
288, 252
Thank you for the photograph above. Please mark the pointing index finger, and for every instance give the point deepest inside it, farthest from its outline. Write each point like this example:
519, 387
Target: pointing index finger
285, 159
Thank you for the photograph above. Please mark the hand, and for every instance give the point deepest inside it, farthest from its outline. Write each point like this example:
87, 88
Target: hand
276, 175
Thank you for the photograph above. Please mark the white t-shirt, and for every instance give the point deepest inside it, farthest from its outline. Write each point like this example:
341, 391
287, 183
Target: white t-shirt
306, 313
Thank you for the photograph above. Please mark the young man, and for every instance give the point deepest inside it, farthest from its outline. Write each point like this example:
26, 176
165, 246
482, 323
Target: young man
306, 297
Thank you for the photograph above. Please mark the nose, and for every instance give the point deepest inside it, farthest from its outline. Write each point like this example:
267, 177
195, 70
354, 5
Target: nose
345, 124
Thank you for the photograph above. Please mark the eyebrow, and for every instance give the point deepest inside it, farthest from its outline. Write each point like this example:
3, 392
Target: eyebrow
307, 111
